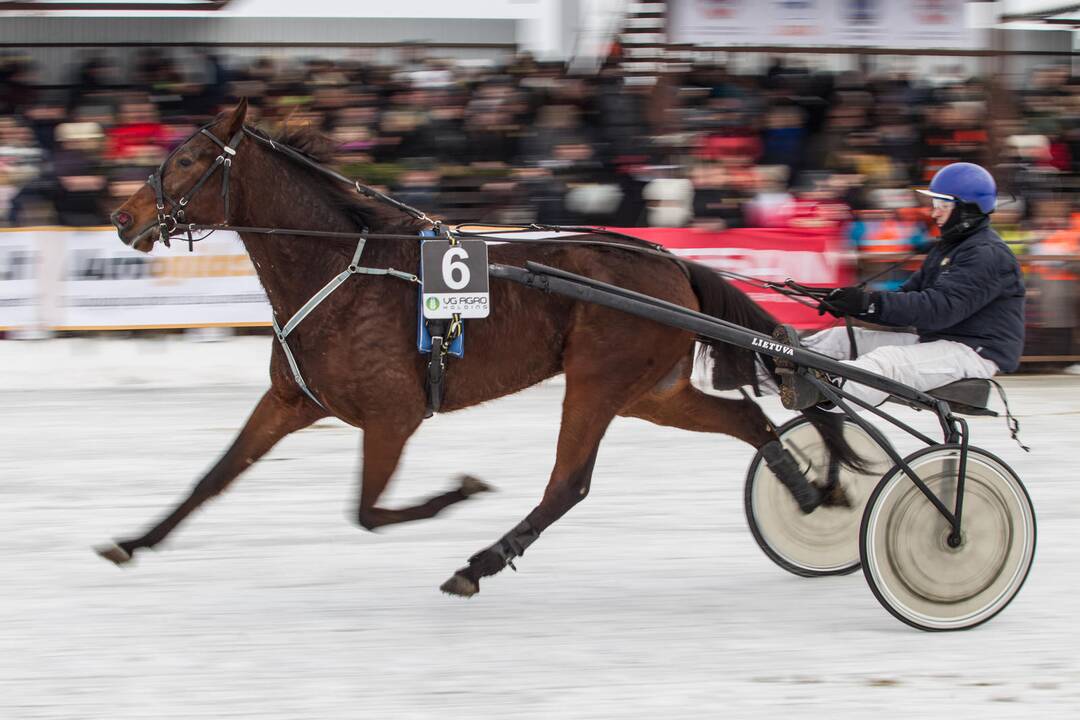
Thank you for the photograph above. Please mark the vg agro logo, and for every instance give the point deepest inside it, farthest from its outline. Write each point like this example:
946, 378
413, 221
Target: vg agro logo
432, 303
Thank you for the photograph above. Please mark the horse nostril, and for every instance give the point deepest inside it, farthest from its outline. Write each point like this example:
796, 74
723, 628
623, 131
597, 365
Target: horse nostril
121, 219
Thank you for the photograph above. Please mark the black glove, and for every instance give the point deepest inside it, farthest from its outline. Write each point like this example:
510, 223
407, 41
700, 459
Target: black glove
850, 301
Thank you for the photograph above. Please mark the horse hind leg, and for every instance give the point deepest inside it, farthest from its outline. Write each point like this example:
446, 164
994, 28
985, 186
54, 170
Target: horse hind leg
382, 452
585, 419
564, 491
681, 405
274, 417
678, 404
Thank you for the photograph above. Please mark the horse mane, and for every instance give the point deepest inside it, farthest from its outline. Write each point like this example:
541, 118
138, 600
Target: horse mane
365, 214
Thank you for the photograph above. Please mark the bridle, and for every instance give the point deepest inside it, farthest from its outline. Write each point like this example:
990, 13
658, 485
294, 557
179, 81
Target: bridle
171, 219
171, 212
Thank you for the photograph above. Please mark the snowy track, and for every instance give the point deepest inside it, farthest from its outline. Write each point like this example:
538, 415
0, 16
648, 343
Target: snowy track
640, 603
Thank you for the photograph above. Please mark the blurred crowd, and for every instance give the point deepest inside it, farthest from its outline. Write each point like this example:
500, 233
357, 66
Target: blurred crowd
529, 141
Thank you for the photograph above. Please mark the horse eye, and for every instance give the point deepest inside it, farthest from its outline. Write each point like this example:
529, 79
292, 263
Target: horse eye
185, 162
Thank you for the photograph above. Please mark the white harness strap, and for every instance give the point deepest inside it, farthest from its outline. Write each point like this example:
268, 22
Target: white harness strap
283, 333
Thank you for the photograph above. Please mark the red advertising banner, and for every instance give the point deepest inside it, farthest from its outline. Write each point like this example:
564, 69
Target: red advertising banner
810, 256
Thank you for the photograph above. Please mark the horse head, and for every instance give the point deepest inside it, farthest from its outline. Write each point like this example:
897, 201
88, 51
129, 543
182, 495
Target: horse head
181, 190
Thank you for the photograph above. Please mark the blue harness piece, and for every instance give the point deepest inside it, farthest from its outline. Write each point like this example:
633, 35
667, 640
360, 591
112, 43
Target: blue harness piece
423, 337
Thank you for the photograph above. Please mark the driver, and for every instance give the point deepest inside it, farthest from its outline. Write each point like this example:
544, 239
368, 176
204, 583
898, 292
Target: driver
965, 304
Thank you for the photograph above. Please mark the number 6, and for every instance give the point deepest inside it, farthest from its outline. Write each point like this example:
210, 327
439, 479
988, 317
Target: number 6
449, 267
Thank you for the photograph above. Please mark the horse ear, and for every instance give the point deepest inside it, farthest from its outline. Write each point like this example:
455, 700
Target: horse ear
235, 121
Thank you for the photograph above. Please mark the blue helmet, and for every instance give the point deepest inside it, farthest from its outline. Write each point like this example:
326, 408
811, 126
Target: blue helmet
965, 182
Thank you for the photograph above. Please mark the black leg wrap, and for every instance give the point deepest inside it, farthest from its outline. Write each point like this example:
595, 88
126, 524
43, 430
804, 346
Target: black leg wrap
510, 546
787, 471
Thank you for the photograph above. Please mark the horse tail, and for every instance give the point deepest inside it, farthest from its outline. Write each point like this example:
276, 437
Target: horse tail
735, 367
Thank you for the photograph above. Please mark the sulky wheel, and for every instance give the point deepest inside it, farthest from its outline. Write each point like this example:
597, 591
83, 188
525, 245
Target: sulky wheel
825, 542
908, 561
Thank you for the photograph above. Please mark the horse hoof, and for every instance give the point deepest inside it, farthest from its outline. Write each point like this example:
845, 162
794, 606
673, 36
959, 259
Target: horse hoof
837, 497
114, 554
471, 486
460, 585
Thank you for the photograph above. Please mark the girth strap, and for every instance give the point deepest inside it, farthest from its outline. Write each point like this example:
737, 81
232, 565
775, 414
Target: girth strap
297, 375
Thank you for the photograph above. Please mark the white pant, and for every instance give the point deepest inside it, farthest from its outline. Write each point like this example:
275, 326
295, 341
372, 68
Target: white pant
900, 356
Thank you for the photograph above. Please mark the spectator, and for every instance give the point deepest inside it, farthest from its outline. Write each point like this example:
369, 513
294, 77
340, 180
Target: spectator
1056, 277
669, 202
137, 128
21, 162
419, 185
80, 184
718, 202
532, 142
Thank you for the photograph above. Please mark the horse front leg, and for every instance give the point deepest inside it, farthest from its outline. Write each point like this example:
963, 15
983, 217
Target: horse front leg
274, 417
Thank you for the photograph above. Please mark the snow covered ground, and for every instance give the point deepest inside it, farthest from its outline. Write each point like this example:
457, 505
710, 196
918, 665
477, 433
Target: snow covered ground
650, 599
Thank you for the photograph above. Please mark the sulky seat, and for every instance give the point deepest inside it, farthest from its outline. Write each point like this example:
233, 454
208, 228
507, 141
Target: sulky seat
966, 397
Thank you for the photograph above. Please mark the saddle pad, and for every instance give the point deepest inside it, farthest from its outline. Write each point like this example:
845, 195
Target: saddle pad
968, 396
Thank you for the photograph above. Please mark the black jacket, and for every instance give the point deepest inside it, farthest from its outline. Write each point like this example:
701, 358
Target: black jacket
969, 290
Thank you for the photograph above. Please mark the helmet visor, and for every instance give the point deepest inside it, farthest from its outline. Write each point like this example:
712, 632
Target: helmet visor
940, 201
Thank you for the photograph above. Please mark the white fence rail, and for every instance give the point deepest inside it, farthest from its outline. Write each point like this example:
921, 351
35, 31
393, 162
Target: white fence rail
55, 279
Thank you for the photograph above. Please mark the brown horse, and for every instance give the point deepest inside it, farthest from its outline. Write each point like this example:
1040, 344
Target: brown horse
357, 354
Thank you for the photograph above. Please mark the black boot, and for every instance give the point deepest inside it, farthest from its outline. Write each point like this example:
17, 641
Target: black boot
796, 392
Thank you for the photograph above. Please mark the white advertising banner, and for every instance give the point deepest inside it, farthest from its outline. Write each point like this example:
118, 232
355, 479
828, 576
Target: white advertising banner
901, 24
936, 24
86, 279
107, 285
717, 22
794, 22
19, 272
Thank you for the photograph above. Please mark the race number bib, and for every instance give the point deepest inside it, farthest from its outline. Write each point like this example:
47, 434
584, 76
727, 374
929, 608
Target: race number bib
455, 279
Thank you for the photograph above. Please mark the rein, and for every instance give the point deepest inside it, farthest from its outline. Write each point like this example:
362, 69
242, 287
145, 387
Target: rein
365, 190
657, 250
172, 222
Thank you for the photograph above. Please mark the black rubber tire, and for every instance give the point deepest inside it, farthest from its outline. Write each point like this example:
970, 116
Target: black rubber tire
771, 545
894, 504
